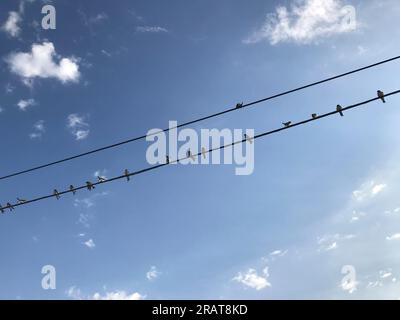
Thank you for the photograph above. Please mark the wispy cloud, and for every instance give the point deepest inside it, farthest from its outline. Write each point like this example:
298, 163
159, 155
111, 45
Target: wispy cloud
90, 244
25, 104
152, 274
78, 126
76, 294
306, 21
151, 29
392, 237
39, 129
368, 190
253, 280
11, 26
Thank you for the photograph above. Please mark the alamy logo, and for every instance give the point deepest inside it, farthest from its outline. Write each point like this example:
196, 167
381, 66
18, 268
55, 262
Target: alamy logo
203, 149
49, 20
49, 280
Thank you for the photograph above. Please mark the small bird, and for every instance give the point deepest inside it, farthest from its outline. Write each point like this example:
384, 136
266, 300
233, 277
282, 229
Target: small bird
10, 206
21, 201
314, 116
381, 95
56, 194
126, 173
287, 124
101, 179
249, 139
167, 159
239, 105
339, 109
203, 152
189, 154
1, 209
90, 186
72, 189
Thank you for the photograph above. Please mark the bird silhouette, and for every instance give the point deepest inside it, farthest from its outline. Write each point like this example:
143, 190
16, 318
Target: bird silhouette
203, 152
314, 116
10, 206
167, 159
56, 194
1, 209
72, 189
239, 105
90, 186
287, 124
189, 154
126, 173
381, 95
101, 179
339, 109
249, 139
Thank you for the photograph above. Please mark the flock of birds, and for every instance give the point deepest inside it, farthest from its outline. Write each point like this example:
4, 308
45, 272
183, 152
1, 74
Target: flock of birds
90, 186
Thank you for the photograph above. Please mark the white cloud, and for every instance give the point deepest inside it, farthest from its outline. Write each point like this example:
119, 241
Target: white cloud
76, 294
278, 253
24, 104
81, 134
78, 126
90, 244
305, 22
153, 273
331, 242
11, 25
41, 63
118, 295
39, 126
253, 280
368, 190
39, 130
154, 29
395, 236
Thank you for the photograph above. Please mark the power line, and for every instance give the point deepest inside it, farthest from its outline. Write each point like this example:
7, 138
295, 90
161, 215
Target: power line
127, 175
238, 107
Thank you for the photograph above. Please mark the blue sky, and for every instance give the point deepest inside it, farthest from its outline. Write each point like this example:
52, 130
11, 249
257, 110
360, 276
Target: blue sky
322, 196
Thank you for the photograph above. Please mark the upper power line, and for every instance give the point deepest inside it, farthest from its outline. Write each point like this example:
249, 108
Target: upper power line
237, 107
127, 175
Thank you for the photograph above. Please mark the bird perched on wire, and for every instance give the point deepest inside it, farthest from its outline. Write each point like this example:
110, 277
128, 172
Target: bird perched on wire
239, 105
72, 189
10, 206
248, 139
21, 201
90, 186
189, 154
126, 174
203, 152
381, 95
56, 194
167, 159
287, 124
339, 109
314, 116
101, 179
1, 209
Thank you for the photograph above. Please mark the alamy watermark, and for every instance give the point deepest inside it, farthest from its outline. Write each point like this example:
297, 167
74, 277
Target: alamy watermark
202, 149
